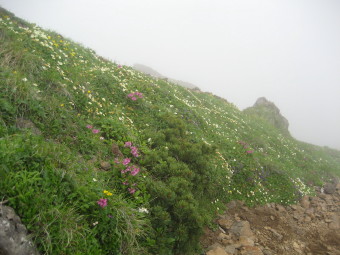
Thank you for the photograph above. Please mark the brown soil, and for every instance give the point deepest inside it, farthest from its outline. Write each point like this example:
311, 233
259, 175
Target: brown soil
310, 227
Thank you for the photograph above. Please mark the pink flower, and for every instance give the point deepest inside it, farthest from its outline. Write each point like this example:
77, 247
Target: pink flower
128, 144
89, 126
126, 183
119, 66
131, 190
140, 95
130, 95
117, 161
133, 98
95, 131
102, 202
128, 169
134, 151
250, 151
126, 161
135, 171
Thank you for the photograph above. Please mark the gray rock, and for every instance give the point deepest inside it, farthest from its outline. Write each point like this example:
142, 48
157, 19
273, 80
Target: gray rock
241, 228
116, 151
13, 234
330, 188
105, 165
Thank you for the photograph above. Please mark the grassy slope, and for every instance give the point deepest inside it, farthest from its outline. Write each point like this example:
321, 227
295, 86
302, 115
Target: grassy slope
196, 151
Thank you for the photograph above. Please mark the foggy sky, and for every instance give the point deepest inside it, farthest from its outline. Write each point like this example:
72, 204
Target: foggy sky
285, 50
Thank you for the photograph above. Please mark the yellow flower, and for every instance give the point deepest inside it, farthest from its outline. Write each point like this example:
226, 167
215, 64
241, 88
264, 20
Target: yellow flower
108, 193
89, 91
62, 105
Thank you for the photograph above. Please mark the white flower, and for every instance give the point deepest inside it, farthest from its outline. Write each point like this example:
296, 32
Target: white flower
24, 79
94, 179
143, 210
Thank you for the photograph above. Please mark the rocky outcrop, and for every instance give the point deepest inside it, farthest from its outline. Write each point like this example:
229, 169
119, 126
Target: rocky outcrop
13, 234
269, 111
310, 227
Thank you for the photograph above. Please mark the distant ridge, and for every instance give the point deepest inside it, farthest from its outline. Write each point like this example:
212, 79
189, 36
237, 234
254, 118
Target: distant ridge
148, 70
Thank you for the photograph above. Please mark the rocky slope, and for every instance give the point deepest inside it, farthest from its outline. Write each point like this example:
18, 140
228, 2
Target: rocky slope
310, 227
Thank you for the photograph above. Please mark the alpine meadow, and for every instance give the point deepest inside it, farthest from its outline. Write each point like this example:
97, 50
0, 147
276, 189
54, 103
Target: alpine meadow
98, 158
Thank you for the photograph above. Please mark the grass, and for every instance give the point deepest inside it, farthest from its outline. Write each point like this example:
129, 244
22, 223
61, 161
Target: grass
65, 111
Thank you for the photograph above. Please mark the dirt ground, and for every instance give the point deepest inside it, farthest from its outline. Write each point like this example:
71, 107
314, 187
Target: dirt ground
310, 227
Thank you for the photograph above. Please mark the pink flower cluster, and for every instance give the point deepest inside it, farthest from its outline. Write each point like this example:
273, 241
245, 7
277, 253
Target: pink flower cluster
245, 146
134, 150
132, 169
132, 190
102, 202
126, 161
133, 96
94, 131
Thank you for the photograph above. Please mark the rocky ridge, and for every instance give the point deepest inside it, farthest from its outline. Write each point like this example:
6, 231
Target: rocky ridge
271, 113
310, 227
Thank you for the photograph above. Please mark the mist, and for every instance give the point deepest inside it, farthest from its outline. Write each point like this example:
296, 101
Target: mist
287, 51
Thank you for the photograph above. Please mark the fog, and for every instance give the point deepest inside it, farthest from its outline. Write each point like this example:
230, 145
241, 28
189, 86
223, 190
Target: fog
285, 50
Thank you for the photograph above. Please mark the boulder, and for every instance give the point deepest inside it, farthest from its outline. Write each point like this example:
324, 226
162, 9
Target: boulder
241, 228
13, 234
330, 188
216, 249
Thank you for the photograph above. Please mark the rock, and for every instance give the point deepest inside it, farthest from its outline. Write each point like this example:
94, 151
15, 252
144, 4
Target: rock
225, 224
335, 224
222, 236
330, 188
310, 212
13, 234
269, 111
241, 228
276, 234
305, 202
308, 219
296, 247
216, 249
251, 250
280, 208
267, 252
22, 123
245, 241
231, 249
116, 151
105, 165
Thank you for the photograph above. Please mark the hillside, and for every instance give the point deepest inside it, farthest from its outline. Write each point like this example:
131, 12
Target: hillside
98, 158
148, 70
